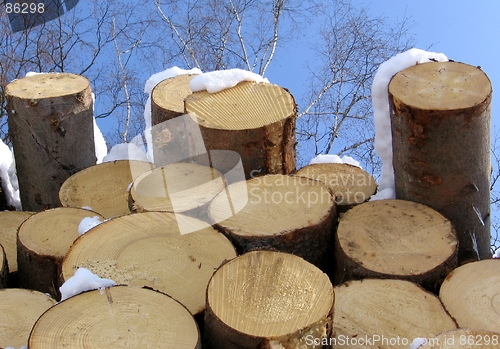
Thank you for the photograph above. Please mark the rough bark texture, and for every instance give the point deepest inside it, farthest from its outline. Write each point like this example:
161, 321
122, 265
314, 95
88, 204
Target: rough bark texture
471, 295
440, 114
268, 300
255, 120
20, 309
383, 314
395, 239
42, 242
4, 269
172, 141
284, 213
51, 128
119, 317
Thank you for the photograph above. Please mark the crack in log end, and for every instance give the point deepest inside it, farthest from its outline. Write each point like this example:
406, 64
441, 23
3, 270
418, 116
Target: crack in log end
108, 295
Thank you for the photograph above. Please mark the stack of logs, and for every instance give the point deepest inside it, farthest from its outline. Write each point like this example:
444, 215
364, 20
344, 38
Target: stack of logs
227, 245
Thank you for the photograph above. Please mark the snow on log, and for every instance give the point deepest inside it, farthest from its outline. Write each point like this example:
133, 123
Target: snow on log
20, 309
104, 187
256, 120
285, 213
395, 239
463, 338
179, 187
383, 314
50, 120
11, 220
440, 115
266, 299
120, 317
350, 184
147, 249
42, 242
167, 102
471, 294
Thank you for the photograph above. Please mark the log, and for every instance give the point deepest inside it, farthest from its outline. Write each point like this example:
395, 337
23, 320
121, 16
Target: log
256, 120
179, 188
382, 314
147, 249
51, 127
440, 114
280, 212
20, 309
4, 268
103, 187
395, 239
3, 198
463, 338
350, 185
120, 317
42, 242
167, 103
471, 295
266, 299
11, 220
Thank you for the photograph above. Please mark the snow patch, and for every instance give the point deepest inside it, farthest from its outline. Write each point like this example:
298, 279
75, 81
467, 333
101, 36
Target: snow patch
83, 280
88, 223
497, 254
417, 342
101, 149
8, 174
381, 116
219, 80
125, 151
330, 158
154, 80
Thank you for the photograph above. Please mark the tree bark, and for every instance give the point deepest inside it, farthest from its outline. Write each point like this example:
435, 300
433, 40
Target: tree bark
463, 338
147, 249
383, 314
256, 120
42, 242
349, 184
51, 127
470, 294
440, 114
4, 268
281, 212
172, 141
104, 187
266, 299
119, 317
395, 239
20, 309
11, 220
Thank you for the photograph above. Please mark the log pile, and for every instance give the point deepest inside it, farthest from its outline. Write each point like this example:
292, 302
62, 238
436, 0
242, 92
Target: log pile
275, 259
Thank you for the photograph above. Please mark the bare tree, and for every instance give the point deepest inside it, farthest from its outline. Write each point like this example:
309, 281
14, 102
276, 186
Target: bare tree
223, 34
336, 114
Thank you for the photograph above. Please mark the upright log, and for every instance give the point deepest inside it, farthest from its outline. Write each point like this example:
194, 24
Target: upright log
440, 115
256, 120
51, 127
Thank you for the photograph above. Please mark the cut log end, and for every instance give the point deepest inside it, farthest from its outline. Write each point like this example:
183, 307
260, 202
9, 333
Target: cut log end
103, 187
11, 220
20, 310
167, 98
248, 105
389, 313
441, 86
349, 184
395, 239
265, 297
47, 86
119, 317
471, 295
42, 242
